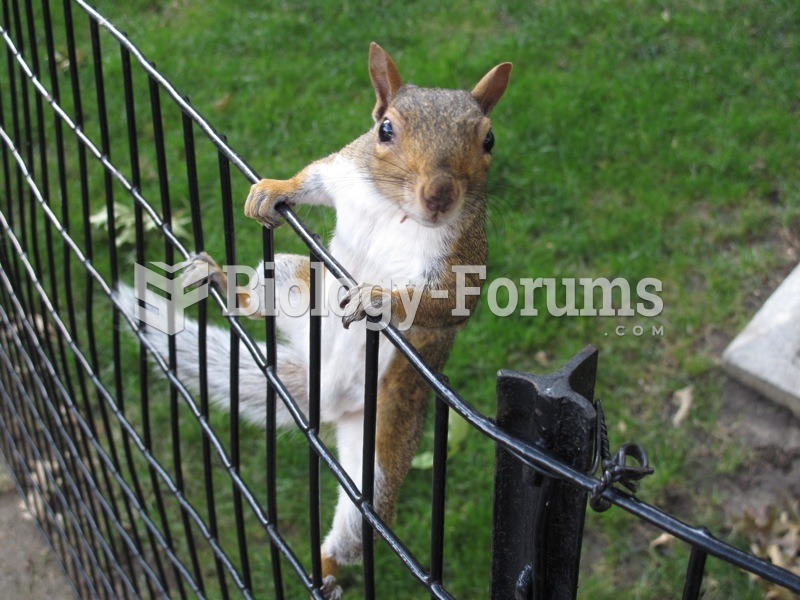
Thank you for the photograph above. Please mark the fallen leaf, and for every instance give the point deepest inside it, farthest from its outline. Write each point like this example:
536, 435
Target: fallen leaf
683, 398
541, 358
773, 533
662, 540
223, 103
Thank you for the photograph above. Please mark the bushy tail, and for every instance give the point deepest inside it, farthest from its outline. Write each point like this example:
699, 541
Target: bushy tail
252, 382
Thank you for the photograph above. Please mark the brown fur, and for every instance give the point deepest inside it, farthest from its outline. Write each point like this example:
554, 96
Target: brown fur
402, 399
438, 151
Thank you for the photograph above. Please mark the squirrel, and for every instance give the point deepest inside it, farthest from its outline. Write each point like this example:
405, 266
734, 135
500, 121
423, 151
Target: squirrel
410, 203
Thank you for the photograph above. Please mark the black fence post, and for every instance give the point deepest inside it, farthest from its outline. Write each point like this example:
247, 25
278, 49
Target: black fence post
538, 520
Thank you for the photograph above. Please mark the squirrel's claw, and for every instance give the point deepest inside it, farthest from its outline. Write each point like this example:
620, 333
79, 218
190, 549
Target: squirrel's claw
201, 267
353, 305
197, 268
331, 591
362, 301
261, 202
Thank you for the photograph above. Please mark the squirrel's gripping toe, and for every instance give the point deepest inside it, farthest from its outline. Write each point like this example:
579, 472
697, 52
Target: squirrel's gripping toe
261, 202
200, 267
330, 590
363, 301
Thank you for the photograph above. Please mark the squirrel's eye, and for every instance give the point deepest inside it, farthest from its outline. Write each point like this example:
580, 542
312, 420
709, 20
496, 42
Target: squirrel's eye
488, 143
386, 133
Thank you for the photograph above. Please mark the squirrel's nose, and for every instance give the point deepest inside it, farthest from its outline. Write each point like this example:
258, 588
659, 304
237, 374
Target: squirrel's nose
438, 195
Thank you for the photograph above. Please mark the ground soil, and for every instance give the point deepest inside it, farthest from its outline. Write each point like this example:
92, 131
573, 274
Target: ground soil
770, 436
27, 568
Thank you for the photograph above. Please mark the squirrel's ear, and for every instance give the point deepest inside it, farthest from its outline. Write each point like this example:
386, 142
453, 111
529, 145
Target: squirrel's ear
385, 79
491, 88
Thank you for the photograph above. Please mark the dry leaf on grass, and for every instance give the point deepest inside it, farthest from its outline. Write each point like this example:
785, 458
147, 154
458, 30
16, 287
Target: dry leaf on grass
665, 539
774, 535
683, 398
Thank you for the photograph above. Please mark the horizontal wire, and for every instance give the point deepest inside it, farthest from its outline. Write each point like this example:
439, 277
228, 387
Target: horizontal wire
172, 377
39, 525
52, 517
31, 443
527, 453
107, 462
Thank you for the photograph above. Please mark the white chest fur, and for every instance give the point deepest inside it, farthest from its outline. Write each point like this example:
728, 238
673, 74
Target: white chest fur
374, 239
376, 244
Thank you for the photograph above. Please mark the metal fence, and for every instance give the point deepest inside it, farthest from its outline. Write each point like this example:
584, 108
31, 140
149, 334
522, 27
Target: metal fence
101, 459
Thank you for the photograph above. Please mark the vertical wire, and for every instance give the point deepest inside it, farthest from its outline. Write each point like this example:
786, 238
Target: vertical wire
22, 139
88, 249
66, 283
105, 144
169, 257
31, 203
136, 182
44, 179
314, 366
24, 376
55, 288
83, 176
438, 485
694, 572
4, 263
12, 86
197, 227
68, 556
50, 253
8, 263
66, 272
13, 267
230, 257
368, 457
66, 263
268, 251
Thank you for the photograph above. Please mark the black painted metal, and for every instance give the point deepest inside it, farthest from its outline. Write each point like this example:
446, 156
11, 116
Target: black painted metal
441, 419
63, 401
694, 573
538, 520
270, 425
314, 382
372, 346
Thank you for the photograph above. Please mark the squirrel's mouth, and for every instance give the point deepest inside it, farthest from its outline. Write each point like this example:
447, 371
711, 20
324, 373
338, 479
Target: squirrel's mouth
432, 220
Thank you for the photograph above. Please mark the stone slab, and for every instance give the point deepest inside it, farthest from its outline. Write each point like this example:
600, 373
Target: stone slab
766, 354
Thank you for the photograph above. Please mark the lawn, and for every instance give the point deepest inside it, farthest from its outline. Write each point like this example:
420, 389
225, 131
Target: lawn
636, 140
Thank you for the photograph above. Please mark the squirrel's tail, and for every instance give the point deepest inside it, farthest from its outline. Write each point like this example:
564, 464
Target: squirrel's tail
252, 382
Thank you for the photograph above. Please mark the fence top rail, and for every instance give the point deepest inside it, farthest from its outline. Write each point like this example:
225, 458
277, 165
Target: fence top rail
696, 536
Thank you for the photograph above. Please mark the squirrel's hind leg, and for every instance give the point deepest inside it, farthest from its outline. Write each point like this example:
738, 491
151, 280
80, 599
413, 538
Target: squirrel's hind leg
402, 399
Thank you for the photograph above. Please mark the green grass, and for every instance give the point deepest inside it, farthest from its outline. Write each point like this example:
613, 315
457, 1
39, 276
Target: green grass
634, 141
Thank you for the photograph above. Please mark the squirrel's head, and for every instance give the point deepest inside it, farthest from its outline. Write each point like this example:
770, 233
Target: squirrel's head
432, 147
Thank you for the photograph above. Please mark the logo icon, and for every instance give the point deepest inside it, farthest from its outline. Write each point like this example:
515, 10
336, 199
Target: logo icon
164, 312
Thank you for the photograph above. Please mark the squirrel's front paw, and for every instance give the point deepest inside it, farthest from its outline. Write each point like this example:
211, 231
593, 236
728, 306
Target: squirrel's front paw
264, 196
363, 301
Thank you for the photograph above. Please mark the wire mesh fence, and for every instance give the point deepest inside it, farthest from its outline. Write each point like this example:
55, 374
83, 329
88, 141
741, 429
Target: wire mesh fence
128, 473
